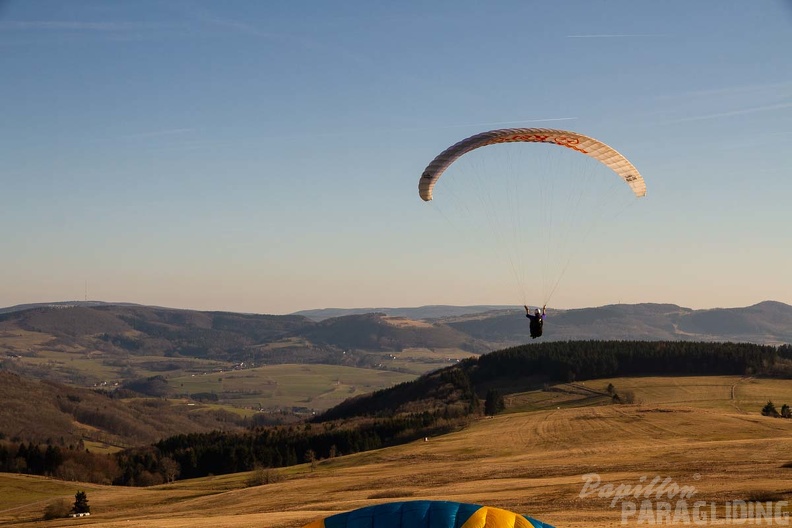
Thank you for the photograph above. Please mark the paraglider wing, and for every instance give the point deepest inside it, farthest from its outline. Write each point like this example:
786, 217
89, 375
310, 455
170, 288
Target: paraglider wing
583, 144
428, 514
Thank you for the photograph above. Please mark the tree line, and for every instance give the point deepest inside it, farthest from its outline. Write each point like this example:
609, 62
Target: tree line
71, 462
581, 360
561, 362
432, 404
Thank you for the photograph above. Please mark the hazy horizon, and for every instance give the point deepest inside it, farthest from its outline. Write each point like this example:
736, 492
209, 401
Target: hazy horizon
349, 308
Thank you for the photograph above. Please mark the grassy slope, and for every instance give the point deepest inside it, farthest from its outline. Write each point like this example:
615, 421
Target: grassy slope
702, 432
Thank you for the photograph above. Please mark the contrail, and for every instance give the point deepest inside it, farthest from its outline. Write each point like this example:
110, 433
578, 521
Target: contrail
781, 106
78, 26
782, 86
159, 133
635, 35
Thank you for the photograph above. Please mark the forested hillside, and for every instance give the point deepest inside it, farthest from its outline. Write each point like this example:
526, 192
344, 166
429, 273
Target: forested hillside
434, 403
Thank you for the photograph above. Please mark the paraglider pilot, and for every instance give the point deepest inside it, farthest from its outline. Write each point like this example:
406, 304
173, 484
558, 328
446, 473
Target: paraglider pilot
537, 321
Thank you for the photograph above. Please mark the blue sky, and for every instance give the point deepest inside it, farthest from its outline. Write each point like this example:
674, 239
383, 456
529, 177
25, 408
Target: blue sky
263, 156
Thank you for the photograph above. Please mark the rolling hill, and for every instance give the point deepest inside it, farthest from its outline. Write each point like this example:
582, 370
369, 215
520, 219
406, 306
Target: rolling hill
140, 330
48, 412
768, 322
288, 362
91, 345
418, 313
701, 433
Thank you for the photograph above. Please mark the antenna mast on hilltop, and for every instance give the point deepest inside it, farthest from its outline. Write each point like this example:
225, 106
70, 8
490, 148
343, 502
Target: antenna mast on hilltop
86, 290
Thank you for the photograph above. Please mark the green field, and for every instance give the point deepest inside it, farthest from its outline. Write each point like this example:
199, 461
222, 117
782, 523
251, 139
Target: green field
95, 368
421, 360
284, 386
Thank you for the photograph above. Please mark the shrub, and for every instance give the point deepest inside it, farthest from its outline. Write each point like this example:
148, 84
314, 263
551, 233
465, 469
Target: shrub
261, 476
57, 509
765, 496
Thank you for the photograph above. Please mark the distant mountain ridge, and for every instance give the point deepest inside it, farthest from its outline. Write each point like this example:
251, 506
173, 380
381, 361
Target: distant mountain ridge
767, 322
420, 312
471, 327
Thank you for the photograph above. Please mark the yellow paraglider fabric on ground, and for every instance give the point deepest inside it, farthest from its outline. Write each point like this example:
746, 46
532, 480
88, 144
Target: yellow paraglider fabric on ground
486, 517
428, 514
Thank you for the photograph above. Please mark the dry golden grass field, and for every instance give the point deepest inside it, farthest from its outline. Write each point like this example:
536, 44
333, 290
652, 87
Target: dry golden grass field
704, 433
